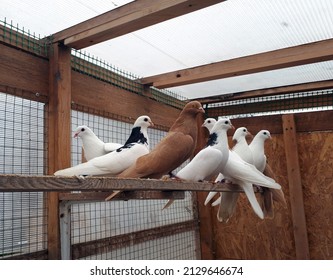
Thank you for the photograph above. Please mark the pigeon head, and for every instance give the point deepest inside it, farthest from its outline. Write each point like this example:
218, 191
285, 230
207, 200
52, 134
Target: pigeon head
82, 131
143, 121
241, 133
209, 123
222, 124
193, 107
264, 134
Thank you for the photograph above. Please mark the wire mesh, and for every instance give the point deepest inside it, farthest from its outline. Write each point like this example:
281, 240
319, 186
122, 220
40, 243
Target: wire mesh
22, 151
100, 220
276, 104
22, 38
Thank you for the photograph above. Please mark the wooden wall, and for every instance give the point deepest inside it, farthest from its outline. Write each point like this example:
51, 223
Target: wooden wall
246, 236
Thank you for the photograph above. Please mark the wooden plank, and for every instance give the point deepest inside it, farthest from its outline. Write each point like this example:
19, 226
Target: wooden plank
312, 86
272, 60
206, 229
65, 229
295, 188
59, 135
89, 92
39, 255
108, 244
125, 19
305, 122
272, 105
18, 69
127, 195
20, 183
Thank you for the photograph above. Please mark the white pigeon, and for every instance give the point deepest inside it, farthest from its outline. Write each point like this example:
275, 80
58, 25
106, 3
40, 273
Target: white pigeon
210, 161
257, 147
117, 161
92, 145
244, 174
228, 200
258, 150
209, 123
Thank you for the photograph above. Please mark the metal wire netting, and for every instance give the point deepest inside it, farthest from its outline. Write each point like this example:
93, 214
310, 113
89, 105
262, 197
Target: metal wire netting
116, 221
22, 151
276, 104
23, 38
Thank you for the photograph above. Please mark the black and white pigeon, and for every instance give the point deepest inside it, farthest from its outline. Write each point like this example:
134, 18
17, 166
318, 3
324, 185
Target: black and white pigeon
92, 145
117, 161
210, 161
245, 175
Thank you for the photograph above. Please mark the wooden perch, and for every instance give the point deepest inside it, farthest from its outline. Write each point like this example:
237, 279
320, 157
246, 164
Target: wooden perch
20, 183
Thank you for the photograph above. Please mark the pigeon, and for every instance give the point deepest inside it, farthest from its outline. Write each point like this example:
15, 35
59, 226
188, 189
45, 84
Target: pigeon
117, 161
260, 161
92, 145
209, 123
209, 162
174, 149
244, 174
228, 200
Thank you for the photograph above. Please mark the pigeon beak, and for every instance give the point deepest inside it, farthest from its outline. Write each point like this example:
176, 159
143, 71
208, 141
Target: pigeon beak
232, 127
151, 123
201, 110
76, 134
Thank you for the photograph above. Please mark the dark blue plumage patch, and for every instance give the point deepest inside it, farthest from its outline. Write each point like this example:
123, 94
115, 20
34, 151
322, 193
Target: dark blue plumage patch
135, 137
212, 139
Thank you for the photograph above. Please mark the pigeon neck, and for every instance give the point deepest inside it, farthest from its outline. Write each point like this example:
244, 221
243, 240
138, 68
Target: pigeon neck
138, 135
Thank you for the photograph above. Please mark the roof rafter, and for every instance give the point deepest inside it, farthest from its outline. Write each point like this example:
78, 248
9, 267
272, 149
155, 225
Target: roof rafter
267, 92
125, 19
283, 58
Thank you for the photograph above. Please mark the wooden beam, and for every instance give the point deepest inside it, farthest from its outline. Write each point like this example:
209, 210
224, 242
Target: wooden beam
306, 122
272, 105
22, 70
127, 195
108, 244
295, 188
92, 93
125, 19
321, 85
59, 135
20, 183
272, 60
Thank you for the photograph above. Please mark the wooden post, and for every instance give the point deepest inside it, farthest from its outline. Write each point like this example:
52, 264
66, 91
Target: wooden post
295, 188
59, 134
65, 229
204, 213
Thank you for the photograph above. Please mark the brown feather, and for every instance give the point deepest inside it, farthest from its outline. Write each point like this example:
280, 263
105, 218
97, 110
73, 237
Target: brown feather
174, 149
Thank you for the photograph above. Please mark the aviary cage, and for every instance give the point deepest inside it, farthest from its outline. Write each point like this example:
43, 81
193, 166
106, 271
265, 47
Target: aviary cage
47, 89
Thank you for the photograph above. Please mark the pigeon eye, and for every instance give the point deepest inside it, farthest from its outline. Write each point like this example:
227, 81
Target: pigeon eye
209, 121
244, 130
146, 119
82, 129
226, 122
265, 133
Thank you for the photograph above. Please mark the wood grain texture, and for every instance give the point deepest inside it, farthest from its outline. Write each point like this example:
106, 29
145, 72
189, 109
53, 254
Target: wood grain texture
18, 183
126, 19
295, 187
22, 70
277, 59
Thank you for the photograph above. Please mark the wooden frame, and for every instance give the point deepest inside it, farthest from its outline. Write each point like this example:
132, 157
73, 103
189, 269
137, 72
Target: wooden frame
126, 19
272, 60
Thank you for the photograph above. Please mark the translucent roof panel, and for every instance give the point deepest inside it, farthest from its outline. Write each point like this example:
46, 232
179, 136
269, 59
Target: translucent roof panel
231, 29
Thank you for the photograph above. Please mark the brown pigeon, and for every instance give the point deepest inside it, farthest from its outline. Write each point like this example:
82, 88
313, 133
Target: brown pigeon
175, 148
